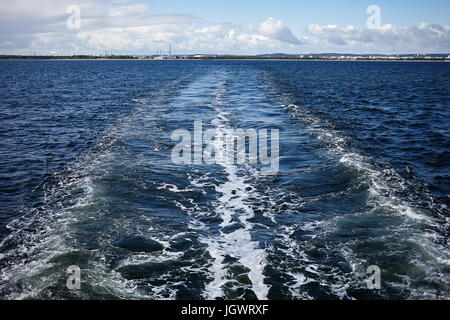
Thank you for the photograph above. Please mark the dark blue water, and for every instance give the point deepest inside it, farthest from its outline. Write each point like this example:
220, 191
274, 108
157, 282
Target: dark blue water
86, 179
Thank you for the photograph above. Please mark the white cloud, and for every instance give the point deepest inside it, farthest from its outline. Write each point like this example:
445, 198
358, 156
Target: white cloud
275, 29
184, 37
122, 27
387, 38
128, 11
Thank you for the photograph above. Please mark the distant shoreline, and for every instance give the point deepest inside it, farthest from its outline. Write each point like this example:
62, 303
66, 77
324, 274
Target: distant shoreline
225, 59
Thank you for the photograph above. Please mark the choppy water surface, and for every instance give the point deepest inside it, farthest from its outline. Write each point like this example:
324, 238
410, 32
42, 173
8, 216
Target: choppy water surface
86, 179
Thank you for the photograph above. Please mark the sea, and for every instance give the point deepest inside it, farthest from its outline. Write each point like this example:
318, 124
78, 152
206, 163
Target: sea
357, 208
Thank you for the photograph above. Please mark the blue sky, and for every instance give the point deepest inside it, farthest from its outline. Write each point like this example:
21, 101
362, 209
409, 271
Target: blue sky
298, 14
231, 26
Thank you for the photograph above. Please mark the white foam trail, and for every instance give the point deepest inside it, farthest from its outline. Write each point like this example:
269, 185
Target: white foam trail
381, 194
379, 190
377, 185
214, 289
46, 233
232, 208
238, 243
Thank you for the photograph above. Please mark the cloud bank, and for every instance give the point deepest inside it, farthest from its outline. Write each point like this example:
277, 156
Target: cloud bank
386, 38
123, 27
40, 26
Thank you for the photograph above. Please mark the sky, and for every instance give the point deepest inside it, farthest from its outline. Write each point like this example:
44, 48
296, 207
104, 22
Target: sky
224, 27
